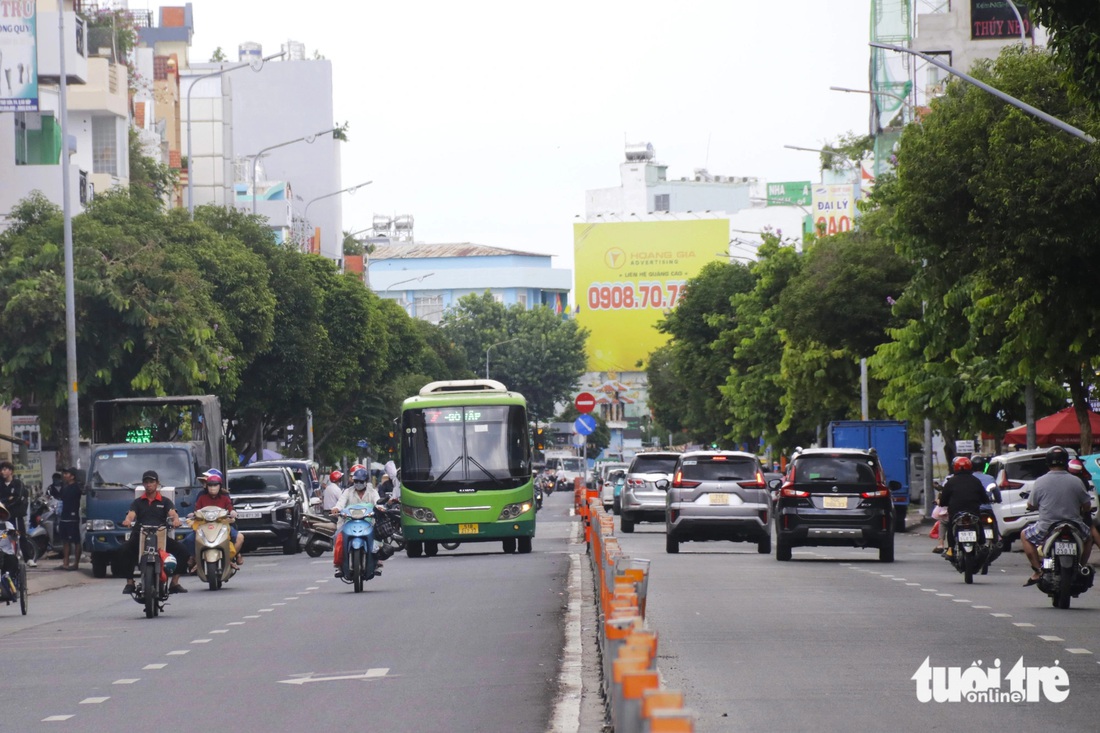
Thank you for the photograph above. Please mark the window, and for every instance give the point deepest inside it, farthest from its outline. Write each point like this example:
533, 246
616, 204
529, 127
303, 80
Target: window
429, 308
521, 299
835, 469
661, 202
732, 469
105, 145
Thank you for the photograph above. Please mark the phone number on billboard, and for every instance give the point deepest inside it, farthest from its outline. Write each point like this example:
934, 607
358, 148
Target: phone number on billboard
633, 296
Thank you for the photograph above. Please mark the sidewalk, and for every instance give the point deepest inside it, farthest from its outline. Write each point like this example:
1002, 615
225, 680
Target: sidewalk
46, 577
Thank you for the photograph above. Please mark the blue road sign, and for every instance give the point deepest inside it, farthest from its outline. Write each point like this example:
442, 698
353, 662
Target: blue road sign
362, 443
585, 425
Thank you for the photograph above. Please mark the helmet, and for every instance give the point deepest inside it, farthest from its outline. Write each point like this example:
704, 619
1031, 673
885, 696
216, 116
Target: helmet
961, 463
169, 564
1075, 466
335, 476
360, 476
214, 476
1057, 457
356, 467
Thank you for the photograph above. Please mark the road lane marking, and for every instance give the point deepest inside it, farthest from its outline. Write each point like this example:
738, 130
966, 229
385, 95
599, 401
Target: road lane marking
1050, 638
278, 604
56, 718
154, 666
93, 700
127, 681
929, 590
901, 580
912, 583
291, 598
1078, 651
1001, 615
249, 616
179, 652
265, 610
946, 595
961, 600
201, 641
218, 631
313, 587
1023, 624
369, 674
982, 608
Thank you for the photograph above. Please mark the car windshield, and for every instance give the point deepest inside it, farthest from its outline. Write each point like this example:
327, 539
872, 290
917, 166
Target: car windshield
654, 464
576, 465
836, 469
718, 468
124, 468
1028, 470
258, 483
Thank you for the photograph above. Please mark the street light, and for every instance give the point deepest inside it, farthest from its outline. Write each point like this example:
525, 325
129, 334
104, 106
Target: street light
191, 153
873, 92
349, 189
500, 343
419, 278
818, 150
307, 139
1035, 112
783, 202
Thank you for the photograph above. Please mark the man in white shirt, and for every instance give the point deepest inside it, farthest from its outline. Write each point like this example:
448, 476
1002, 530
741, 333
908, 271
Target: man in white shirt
332, 491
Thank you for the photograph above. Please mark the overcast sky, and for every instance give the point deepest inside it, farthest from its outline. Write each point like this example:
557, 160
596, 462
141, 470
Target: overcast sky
488, 121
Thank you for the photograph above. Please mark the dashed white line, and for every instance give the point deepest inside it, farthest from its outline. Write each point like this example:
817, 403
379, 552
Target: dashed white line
278, 604
126, 681
179, 652
201, 641
313, 587
56, 718
1023, 624
265, 610
1078, 651
218, 631
1050, 638
154, 666
94, 700
961, 600
235, 623
912, 583
900, 580
249, 616
929, 590
1001, 615
982, 608
946, 595
291, 598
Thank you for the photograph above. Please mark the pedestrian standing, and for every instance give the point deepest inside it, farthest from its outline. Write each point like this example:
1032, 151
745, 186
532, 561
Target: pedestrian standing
68, 523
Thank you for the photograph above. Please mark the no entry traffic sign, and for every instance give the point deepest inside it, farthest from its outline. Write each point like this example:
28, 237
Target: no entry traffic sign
585, 402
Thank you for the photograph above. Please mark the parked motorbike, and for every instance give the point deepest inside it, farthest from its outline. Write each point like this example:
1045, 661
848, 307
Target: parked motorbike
359, 562
43, 526
213, 546
976, 542
154, 567
318, 529
1064, 576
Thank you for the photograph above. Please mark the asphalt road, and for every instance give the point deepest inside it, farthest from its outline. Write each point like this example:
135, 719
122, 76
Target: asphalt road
470, 640
831, 641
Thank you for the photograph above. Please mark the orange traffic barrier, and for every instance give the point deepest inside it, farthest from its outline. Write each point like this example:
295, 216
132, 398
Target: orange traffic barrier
654, 700
669, 721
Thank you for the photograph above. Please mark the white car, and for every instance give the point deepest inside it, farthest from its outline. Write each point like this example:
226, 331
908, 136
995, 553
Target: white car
1014, 474
605, 485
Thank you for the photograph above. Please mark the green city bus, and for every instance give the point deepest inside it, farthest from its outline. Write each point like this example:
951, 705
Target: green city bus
466, 467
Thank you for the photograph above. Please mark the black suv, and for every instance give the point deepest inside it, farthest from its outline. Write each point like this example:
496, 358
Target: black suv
834, 496
269, 504
302, 469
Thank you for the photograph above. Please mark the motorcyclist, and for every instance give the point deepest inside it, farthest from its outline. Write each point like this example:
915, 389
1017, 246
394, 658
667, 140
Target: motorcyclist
361, 491
152, 508
332, 491
962, 492
1058, 496
214, 495
9, 563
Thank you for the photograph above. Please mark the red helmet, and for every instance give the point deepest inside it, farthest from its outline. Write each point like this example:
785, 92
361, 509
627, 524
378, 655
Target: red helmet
335, 476
961, 463
1075, 466
356, 467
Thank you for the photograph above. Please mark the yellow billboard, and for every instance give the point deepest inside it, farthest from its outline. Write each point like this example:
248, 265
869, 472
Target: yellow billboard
629, 274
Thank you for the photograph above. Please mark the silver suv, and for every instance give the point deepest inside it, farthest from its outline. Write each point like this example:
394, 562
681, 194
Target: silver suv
718, 495
647, 480
1014, 474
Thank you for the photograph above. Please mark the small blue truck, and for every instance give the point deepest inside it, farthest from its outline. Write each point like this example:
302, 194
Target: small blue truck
890, 439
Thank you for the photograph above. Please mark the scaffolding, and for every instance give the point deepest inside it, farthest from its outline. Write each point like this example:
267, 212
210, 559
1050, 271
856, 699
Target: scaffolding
891, 77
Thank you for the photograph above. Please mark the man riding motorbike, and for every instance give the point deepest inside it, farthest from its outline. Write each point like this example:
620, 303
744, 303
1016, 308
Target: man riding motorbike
962, 492
151, 508
360, 492
1059, 496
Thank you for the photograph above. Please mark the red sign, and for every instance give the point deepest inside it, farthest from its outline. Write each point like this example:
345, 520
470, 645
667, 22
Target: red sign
585, 402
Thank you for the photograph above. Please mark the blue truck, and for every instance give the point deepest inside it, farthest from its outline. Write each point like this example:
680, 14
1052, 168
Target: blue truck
178, 437
890, 439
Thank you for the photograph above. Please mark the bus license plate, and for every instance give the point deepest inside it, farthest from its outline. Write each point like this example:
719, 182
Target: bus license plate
968, 535
467, 529
249, 515
719, 499
836, 502
1065, 548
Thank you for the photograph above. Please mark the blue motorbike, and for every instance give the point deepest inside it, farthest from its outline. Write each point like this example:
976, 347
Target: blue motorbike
360, 561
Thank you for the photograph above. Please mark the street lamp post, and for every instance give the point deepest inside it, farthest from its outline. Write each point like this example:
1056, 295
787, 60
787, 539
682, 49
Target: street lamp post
70, 296
190, 151
306, 139
419, 278
500, 343
349, 189
1035, 112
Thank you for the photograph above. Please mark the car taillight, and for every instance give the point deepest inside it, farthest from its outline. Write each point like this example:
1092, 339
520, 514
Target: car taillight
679, 482
635, 483
756, 483
879, 492
793, 493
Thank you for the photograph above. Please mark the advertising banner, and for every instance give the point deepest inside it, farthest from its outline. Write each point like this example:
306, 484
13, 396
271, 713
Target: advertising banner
789, 193
996, 19
629, 274
18, 56
834, 208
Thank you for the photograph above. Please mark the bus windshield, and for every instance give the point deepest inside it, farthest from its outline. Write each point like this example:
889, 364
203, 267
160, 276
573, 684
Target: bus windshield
465, 448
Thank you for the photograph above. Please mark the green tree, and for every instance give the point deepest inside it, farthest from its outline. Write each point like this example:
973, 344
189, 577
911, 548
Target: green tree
1074, 29
1001, 208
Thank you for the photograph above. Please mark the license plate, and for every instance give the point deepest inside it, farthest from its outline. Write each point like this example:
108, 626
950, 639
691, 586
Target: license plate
1065, 548
249, 515
968, 535
467, 529
836, 502
719, 499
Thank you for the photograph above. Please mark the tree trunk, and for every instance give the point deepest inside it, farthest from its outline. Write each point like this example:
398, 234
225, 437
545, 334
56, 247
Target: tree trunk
1078, 390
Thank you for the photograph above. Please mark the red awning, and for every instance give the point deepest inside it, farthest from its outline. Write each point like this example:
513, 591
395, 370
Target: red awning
1061, 428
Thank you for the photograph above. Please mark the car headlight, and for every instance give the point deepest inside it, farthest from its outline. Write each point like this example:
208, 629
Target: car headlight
98, 525
511, 511
419, 513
